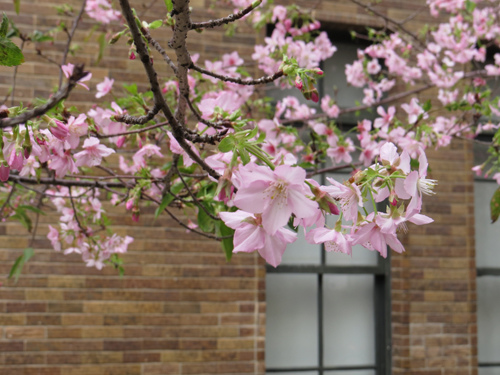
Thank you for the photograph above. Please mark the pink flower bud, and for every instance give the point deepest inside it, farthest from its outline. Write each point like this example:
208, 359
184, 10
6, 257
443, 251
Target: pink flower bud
4, 171
132, 55
60, 130
315, 96
298, 83
129, 204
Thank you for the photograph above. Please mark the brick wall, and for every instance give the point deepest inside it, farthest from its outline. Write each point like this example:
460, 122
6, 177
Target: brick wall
434, 282
179, 309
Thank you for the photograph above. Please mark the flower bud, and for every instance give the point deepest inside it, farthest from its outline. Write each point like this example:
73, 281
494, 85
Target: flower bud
298, 83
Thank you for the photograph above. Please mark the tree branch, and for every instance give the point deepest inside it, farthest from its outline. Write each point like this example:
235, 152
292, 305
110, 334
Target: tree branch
226, 20
160, 49
247, 82
62, 94
70, 38
141, 120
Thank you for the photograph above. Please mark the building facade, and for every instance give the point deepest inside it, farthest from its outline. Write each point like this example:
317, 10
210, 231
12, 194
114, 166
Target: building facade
181, 309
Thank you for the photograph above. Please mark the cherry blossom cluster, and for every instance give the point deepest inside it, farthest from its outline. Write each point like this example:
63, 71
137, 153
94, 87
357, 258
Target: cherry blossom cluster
82, 217
268, 199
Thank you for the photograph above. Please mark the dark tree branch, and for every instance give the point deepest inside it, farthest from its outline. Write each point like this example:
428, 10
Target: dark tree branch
177, 128
67, 183
248, 82
142, 130
389, 20
141, 120
160, 49
332, 169
181, 223
226, 20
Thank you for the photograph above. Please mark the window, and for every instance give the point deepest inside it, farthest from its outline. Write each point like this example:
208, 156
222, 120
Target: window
328, 313
488, 279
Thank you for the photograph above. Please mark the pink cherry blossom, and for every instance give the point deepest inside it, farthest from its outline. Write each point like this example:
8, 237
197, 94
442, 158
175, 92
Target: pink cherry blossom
101, 11
68, 71
92, 153
250, 235
104, 87
333, 240
275, 194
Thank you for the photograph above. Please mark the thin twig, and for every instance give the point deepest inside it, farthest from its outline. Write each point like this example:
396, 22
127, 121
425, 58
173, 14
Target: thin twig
160, 49
78, 73
331, 169
185, 225
67, 183
141, 120
147, 128
225, 20
75, 215
391, 21
7, 200
195, 200
70, 39
247, 82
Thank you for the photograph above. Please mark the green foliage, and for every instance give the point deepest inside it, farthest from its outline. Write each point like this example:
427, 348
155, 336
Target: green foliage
495, 206
101, 40
10, 54
17, 268
168, 198
169, 5
17, 6
222, 230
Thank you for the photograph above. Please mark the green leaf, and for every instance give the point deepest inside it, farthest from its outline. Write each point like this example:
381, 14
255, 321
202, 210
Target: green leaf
222, 230
131, 88
168, 198
17, 268
102, 44
169, 5
227, 144
470, 6
155, 24
23, 218
17, 6
32, 208
495, 206
427, 106
245, 157
39, 37
205, 222
10, 54
4, 26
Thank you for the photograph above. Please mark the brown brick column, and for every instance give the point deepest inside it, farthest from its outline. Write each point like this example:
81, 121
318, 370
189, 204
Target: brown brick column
434, 282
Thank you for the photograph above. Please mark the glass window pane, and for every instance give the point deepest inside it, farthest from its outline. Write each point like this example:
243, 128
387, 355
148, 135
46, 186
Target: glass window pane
351, 372
488, 319
487, 234
302, 252
349, 326
489, 370
336, 82
291, 320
